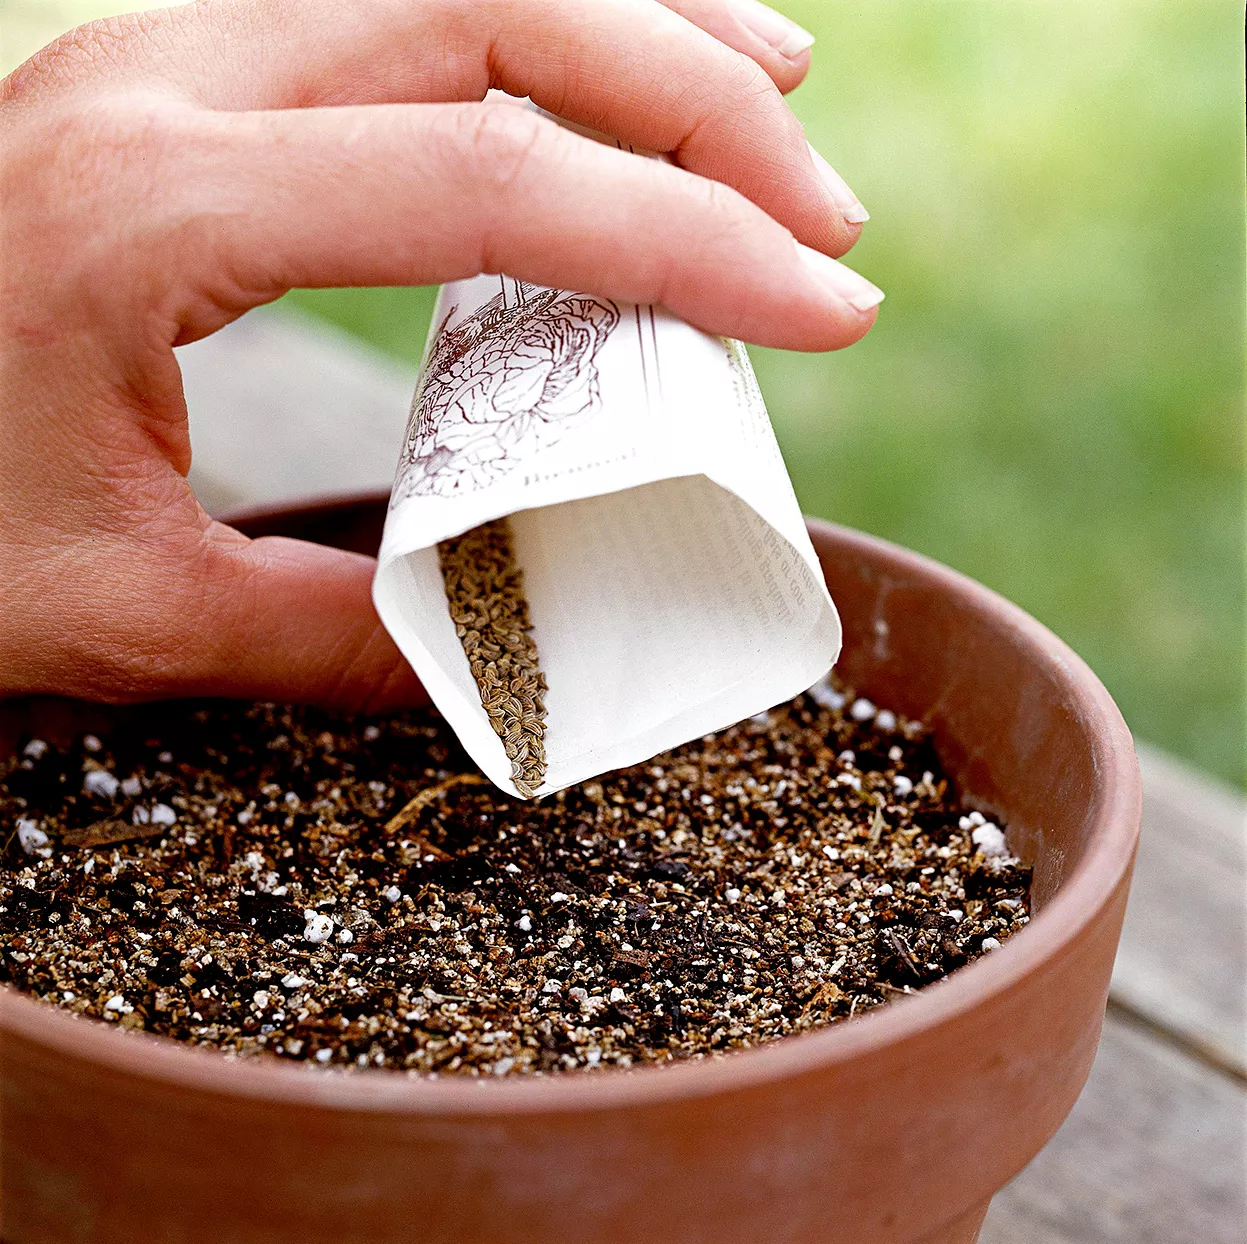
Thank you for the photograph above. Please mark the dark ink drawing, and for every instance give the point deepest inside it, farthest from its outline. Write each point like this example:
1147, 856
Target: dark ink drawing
514, 376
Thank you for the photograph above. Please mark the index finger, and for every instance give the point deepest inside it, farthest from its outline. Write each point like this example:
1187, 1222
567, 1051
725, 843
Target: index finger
634, 69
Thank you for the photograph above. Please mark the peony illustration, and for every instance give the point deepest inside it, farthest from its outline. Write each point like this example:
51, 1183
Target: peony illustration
513, 377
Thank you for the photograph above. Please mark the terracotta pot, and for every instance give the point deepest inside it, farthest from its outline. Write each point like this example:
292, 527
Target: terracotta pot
895, 1127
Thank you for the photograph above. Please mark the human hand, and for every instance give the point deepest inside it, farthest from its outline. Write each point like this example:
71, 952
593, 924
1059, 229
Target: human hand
162, 173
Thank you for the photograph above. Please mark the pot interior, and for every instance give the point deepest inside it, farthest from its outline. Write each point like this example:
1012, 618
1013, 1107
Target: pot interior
1020, 723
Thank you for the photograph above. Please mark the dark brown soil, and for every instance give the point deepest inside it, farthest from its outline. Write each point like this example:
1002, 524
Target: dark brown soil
245, 876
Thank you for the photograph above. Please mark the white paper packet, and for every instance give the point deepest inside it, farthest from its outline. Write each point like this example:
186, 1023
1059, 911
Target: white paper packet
671, 583
670, 580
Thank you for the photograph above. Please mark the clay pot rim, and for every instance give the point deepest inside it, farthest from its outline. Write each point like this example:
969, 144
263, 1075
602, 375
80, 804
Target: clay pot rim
1077, 903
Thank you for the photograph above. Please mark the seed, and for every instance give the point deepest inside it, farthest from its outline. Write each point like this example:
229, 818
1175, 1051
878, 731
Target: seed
485, 593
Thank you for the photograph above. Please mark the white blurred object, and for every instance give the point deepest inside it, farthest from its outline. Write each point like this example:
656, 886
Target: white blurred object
283, 405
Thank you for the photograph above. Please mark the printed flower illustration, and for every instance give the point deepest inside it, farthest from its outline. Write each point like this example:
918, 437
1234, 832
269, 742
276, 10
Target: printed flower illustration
511, 378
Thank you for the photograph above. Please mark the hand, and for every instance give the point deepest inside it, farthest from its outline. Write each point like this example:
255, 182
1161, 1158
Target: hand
163, 173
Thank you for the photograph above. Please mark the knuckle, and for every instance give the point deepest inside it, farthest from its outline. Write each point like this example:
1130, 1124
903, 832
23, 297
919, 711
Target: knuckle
721, 228
83, 53
73, 161
753, 84
504, 142
88, 184
725, 212
114, 142
757, 94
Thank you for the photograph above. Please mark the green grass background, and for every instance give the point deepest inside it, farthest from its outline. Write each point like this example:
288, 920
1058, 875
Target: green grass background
1052, 399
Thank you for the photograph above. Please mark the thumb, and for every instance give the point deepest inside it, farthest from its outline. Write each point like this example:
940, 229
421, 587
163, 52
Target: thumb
287, 620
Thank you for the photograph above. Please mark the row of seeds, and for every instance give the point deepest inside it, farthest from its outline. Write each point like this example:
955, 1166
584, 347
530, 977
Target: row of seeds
485, 591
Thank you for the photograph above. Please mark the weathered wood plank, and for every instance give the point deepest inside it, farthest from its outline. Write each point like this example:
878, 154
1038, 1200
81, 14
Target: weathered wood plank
284, 406
1183, 957
1153, 1153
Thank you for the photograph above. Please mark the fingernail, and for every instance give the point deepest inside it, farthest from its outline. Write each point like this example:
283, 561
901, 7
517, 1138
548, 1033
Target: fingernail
783, 34
849, 204
856, 290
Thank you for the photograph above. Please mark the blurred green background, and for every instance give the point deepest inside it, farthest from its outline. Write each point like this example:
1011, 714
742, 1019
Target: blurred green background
1053, 398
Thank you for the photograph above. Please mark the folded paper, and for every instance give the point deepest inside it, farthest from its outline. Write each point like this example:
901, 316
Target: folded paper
672, 586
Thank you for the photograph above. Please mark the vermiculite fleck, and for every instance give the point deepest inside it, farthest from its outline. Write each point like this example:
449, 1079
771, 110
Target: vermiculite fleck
485, 591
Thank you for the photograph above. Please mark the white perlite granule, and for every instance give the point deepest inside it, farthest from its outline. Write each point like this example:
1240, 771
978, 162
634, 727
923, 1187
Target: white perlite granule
319, 927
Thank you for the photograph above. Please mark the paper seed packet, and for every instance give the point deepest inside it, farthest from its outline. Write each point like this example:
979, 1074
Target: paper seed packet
671, 586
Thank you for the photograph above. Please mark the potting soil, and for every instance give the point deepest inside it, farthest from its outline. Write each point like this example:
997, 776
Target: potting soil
280, 881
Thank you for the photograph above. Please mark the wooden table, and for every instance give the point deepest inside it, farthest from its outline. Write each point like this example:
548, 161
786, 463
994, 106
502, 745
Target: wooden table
1155, 1152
